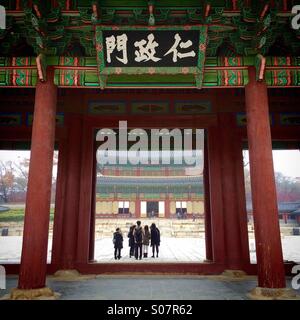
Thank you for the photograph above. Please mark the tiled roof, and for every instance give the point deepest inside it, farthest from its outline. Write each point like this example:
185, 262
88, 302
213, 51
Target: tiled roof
189, 180
283, 207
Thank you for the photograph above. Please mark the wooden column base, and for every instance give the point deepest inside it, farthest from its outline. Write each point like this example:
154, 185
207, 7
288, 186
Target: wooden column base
71, 275
235, 274
33, 294
259, 293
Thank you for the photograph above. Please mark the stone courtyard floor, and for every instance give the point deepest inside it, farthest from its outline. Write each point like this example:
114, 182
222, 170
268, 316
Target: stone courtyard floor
148, 287
171, 250
139, 287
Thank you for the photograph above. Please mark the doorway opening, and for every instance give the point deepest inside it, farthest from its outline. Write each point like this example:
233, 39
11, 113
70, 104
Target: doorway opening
168, 194
286, 160
14, 169
152, 209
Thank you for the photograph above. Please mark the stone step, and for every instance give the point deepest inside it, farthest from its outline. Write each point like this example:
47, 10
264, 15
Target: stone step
185, 235
287, 225
168, 227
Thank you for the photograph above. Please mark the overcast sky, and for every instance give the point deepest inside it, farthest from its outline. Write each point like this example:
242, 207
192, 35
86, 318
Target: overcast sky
285, 161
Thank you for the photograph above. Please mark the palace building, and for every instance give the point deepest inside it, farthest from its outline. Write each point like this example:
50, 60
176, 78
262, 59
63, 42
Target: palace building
69, 68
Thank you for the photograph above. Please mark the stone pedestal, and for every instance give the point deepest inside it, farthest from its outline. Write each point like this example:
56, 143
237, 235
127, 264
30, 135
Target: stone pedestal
33, 294
71, 275
259, 293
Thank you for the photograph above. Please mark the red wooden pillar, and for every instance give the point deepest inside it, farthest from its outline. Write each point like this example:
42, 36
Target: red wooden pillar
138, 207
207, 213
166, 171
235, 219
241, 199
93, 208
265, 212
72, 192
85, 199
215, 192
167, 207
59, 202
36, 224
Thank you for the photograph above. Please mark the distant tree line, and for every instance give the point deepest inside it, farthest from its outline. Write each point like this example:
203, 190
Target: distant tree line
288, 189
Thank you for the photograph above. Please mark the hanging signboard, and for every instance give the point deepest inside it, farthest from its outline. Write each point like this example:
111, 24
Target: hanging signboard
151, 50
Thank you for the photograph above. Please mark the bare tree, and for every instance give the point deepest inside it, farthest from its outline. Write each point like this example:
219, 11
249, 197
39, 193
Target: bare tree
14, 177
288, 189
6, 180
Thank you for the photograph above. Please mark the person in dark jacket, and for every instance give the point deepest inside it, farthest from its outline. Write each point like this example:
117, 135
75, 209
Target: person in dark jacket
155, 239
131, 240
138, 240
118, 243
146, 241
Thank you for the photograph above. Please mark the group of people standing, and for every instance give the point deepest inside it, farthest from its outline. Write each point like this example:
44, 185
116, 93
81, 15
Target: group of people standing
139, 240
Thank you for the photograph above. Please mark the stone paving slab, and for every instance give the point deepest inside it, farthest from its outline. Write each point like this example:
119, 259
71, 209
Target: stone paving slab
140, 288
148, 288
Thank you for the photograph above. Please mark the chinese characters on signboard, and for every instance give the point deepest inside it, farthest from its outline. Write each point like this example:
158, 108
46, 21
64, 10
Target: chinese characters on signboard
151, 48
146, 51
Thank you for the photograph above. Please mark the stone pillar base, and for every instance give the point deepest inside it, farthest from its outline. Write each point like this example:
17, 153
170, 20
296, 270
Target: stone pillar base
235, 274
259, 293
33, 294
71, 275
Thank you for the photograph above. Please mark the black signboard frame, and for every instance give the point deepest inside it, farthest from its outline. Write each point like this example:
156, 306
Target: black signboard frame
196, 68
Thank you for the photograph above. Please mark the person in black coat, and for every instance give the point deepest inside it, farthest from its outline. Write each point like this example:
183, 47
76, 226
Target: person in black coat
131, 240
138, 240
155, 239
118, 243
